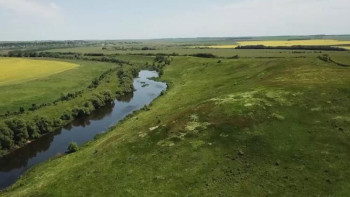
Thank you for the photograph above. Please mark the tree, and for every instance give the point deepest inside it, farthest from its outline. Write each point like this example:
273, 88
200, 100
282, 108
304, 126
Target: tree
43, 124
19, 128
6, 137
33, 130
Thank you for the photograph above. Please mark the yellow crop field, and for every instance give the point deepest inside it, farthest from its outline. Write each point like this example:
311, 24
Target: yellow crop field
232, 46
295, 42
19, 70
346, 47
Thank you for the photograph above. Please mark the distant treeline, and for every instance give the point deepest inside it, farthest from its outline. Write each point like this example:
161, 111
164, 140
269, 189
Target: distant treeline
203, 55
67, 55
297, 47
41, 44
155, 54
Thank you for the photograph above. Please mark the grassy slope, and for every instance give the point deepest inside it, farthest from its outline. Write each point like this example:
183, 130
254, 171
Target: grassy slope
244, 127
48, 89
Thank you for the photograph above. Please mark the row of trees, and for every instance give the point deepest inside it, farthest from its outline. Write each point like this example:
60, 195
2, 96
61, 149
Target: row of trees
67, 55
17, 131
328, 59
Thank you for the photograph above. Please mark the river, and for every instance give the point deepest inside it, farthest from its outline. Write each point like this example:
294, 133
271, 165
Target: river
13, 165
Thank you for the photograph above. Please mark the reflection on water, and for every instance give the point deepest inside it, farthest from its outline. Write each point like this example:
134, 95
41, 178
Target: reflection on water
80, 131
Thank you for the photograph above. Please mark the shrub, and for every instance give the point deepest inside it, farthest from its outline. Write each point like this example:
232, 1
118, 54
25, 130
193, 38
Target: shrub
6, 137
6, 142
44, 125
65, 116
57, 122
73, 147
21, 110
33, 130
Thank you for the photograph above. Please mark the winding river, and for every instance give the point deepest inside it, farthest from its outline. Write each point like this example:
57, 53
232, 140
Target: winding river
13, 165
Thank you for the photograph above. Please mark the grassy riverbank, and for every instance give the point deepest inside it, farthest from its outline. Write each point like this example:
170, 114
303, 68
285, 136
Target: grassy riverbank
27, 124
245, 127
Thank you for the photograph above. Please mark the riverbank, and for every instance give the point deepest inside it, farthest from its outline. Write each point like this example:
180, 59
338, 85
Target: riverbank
17, 129
81, 130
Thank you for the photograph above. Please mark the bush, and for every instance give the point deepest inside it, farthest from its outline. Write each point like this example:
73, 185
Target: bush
33, 130
6, 137
73, 147
43, 124
65, 116
6, 142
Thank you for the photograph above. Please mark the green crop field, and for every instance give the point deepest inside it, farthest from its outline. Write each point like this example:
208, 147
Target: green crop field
244, 127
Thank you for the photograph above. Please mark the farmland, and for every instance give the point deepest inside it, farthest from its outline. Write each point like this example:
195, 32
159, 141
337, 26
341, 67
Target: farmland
16, 71
286, 43
296, 42
47, 88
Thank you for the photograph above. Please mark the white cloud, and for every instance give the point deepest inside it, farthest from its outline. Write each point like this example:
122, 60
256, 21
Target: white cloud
32, 8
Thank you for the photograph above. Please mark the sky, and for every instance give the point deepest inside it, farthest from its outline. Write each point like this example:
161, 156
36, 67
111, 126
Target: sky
148, 19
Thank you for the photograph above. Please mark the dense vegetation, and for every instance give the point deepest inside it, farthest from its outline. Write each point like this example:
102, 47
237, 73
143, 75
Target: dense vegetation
19, 127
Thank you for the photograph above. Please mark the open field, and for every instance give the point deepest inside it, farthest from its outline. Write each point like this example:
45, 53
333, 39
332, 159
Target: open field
18, 70
218, 46
348, 47
47, 89
249, 127
296, 42
221, 52
276, 43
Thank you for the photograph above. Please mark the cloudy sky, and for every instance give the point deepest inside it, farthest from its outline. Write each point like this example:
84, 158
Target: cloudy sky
139, 19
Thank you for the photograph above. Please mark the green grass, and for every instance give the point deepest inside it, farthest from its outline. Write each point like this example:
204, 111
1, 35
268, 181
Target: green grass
46, 90
246, 127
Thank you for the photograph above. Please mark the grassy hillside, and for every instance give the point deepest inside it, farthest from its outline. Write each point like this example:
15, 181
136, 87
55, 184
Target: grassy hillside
47, 89
246, 127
